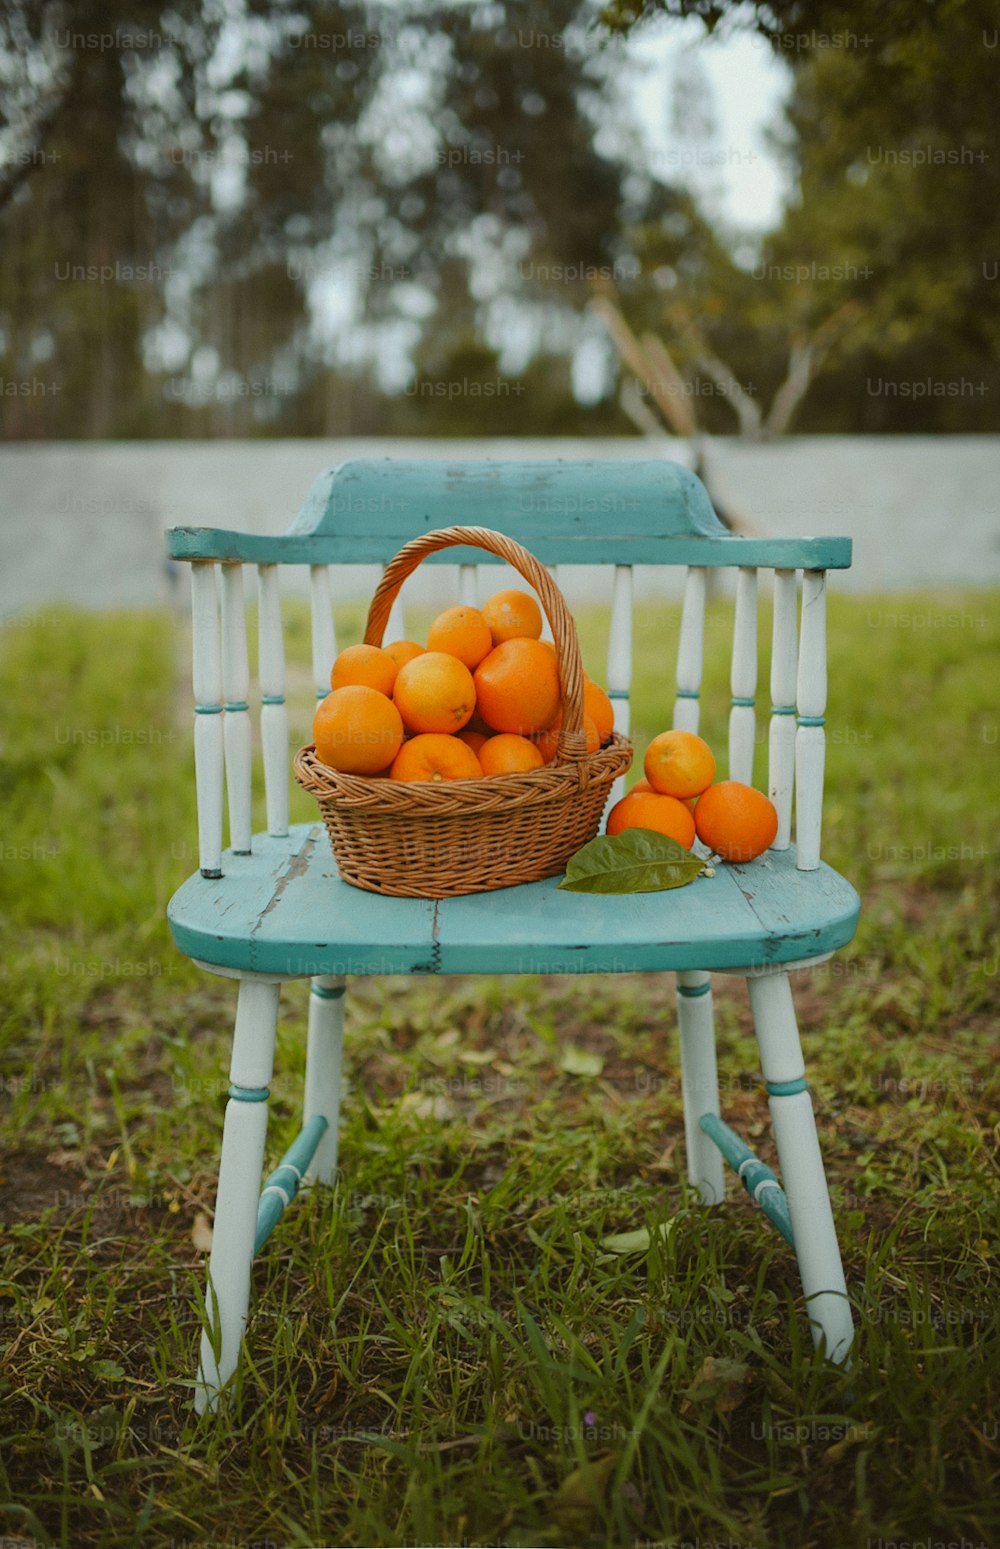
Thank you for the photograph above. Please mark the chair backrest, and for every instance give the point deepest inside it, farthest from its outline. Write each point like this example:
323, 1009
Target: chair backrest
618, 513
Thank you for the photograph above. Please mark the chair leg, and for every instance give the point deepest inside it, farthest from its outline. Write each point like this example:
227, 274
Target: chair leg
323, 1064
227, 1298
699, 1082
802, 1174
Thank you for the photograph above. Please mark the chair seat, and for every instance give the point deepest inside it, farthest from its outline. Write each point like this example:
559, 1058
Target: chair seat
284, 910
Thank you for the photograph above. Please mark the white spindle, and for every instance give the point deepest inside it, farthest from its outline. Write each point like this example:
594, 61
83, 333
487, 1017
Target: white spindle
699, 1083
546, 626
324, 640
743, 678
208, 740
324, 1053
781, 741
810, 738
690, 650
467, 585
395, 624
243, 1137
273, 715
620, 659
803, 1176
236, 721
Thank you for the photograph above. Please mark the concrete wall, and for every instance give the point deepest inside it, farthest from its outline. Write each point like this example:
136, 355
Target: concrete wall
83, 522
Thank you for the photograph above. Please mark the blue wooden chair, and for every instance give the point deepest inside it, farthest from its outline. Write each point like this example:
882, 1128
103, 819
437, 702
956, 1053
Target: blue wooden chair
271, 907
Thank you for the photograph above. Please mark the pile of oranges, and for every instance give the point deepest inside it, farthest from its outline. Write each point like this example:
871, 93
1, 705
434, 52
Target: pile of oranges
678, 798
482, 699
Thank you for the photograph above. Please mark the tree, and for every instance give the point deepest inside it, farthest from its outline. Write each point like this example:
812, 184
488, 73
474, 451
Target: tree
886, 256
314, 193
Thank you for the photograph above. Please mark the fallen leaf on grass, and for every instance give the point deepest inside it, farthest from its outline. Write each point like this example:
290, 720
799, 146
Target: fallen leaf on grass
634, 1242
477, 1056
201, 1233
721, 1385
424, 1105
580, 1062
576, 1505
853, 1437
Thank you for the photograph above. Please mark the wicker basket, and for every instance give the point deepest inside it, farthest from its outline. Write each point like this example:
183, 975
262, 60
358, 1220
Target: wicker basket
439, 840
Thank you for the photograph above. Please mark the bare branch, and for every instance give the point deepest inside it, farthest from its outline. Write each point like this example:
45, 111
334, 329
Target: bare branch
675, 410
717, 371
806, 356
632, 403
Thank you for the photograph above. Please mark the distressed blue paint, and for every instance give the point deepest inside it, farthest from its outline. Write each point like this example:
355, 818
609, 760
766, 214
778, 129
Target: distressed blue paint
272, 699
788, 1088
812, 720
747, 703
249, 1094
782, 709
692, 991
282, 1185
285, 903
285, 910
642, 511
237, 704
322, 993
756, 1177
208, 709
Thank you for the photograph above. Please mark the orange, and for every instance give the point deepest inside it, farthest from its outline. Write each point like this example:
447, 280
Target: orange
365, 664
647, 809
598, 706
513, 615
517, 687
435, 756
403, 651
473, 739
643, 785
357, 730
679, 763
737, 822
507, 753
435, 692
461, 632
546, 740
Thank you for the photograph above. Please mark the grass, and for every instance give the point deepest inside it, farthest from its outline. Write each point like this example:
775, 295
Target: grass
442, 1351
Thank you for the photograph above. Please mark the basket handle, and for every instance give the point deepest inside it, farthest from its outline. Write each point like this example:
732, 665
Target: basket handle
571, 743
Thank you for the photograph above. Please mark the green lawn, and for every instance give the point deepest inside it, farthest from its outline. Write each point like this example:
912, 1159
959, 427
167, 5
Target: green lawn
441, 1351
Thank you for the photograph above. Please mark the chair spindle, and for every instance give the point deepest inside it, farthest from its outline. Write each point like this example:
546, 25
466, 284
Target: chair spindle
781, 738
395, 624
273, 714
324, 639
236, 721
810, 737
467, 590
208, 736
690, 650
620, 660
743, 678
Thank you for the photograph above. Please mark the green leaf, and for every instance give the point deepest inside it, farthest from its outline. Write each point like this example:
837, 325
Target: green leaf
636, 861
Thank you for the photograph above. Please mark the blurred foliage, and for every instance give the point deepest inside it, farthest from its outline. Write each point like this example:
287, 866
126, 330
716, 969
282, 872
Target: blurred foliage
345, 219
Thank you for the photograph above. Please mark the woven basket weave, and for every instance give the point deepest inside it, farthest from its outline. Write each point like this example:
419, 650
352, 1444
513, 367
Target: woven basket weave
429, 839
